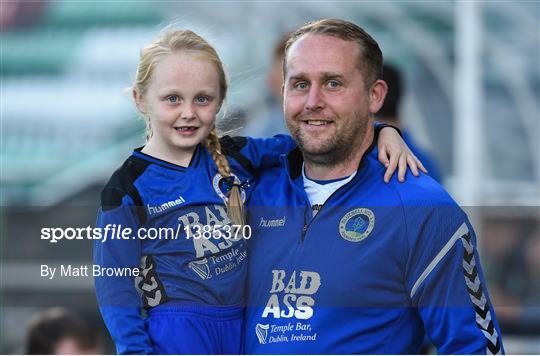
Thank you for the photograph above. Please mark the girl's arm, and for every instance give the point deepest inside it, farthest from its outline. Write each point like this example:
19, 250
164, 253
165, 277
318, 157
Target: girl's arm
119, 303
255, 154
394, 152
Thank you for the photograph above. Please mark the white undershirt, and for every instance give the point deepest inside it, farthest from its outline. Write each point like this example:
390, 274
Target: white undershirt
319, 193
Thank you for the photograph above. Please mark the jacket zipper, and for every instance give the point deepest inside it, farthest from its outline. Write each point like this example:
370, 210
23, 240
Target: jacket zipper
307, 225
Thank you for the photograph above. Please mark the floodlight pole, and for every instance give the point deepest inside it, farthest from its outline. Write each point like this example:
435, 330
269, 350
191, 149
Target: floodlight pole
468, 99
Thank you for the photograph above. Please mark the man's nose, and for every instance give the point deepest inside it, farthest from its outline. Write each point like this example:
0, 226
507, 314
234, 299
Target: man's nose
315, 99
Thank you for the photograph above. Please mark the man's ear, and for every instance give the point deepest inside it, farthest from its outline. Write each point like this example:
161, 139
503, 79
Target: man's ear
139, 101
377, 93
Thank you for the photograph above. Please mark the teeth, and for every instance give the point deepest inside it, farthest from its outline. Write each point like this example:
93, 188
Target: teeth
317, 123
185, 128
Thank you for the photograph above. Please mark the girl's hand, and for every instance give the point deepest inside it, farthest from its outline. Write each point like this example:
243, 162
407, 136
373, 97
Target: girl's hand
393, 151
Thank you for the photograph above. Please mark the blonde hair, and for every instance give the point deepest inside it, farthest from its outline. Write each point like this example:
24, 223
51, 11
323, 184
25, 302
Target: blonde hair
190, 42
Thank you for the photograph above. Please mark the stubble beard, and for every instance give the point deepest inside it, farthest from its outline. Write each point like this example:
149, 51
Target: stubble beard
336, 149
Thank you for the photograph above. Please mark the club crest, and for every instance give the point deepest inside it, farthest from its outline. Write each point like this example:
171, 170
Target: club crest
222, 186
357, 224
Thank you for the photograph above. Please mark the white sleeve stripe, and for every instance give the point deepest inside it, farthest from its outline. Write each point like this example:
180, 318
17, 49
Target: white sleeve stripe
463, 229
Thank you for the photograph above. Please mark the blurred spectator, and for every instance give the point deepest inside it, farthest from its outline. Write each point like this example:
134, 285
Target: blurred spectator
389, 114
512, 253
272, 121
532, 269
57, 331
21, 14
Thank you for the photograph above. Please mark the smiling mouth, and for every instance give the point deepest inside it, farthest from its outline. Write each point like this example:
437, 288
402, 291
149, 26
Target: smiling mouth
186, 128
318, 122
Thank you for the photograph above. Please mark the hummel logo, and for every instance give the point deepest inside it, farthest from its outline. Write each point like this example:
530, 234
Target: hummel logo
272, 223
165, 206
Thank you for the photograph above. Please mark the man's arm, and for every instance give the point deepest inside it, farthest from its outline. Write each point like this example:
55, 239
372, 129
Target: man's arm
445, 281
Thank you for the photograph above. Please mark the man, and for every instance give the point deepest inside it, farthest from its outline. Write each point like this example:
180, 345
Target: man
342, 262
389, 115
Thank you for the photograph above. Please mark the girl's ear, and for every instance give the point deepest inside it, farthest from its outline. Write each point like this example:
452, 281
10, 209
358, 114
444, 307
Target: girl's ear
139, 101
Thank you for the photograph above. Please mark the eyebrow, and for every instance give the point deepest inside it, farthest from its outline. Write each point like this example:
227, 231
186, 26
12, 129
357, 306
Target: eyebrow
325, 76
206, 91
297, 77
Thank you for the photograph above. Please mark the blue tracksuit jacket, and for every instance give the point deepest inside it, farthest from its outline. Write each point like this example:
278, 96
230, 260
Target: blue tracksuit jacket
379, 265
146, 193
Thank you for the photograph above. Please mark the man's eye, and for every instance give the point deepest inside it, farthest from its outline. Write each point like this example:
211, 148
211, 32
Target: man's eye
202, 99
173, 99
301, 86
333, 84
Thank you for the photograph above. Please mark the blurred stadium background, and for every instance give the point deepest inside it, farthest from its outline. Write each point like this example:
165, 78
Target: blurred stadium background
473, 93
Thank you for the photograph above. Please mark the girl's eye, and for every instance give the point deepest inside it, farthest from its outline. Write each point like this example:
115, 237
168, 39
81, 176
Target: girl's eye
173, 99
202, 99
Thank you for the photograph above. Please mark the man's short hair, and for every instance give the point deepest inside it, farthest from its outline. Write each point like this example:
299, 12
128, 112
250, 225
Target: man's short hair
370, 59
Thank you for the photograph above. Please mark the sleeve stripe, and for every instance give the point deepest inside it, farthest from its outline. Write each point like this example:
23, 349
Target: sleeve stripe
462, 230
476, 294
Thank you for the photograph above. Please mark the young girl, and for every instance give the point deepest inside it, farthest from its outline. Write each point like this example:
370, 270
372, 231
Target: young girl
171, 250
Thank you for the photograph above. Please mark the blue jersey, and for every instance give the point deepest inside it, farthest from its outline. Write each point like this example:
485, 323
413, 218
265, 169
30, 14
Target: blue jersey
377, 267
161, 203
